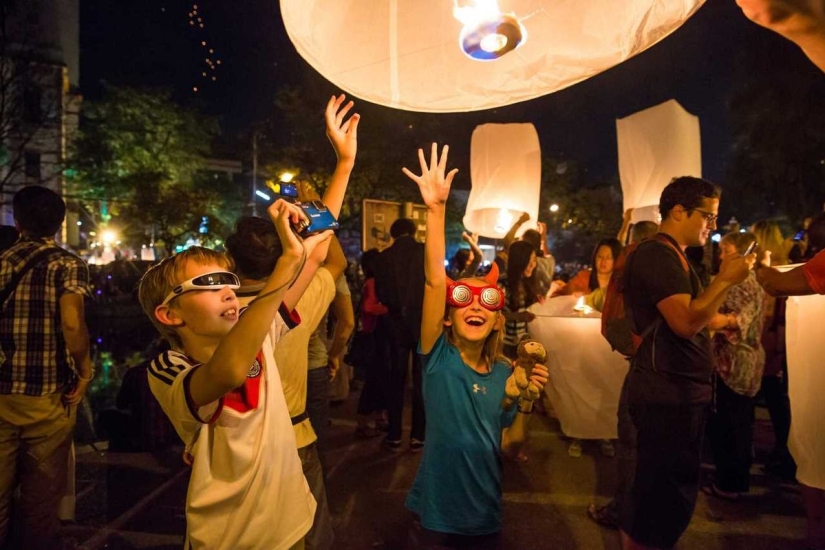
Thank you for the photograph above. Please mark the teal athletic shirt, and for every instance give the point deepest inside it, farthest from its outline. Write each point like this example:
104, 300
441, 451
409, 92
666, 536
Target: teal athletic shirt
458, 485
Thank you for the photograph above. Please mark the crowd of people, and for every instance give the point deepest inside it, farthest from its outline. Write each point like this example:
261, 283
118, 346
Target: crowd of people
245, 379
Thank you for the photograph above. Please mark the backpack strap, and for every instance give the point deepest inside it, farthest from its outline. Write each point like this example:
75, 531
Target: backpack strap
38, 258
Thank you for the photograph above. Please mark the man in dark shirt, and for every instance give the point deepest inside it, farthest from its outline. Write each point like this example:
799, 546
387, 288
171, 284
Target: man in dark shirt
668, 386
399, 284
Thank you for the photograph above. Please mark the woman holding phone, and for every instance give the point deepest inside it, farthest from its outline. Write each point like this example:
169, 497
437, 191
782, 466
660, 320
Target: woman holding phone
740, 361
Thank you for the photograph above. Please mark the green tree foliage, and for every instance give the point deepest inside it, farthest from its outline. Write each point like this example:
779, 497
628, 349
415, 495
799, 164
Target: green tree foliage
139, 158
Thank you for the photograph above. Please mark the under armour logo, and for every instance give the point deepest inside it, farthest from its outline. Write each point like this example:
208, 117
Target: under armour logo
477, 388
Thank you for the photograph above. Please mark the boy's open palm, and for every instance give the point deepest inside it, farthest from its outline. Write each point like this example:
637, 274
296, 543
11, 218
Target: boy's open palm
342, 134
433, 184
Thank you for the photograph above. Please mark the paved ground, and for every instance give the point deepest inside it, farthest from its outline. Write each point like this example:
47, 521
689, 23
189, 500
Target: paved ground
129, 501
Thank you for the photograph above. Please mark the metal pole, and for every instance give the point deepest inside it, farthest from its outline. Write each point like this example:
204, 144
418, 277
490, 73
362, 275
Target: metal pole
254, 172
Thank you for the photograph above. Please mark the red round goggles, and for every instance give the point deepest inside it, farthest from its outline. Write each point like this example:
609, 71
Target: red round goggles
460, 294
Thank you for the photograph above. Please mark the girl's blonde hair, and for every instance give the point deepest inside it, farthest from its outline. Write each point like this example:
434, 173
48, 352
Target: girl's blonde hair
769, 237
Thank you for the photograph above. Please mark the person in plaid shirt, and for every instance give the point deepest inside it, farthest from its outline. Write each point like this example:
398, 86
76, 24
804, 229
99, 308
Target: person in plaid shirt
44, 369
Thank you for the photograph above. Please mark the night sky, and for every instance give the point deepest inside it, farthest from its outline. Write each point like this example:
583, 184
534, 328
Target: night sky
152, 43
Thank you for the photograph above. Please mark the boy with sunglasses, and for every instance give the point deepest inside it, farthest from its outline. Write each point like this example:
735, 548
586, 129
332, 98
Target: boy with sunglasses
224, 396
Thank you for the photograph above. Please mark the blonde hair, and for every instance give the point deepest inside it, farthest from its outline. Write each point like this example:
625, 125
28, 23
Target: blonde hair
162, 277
740, 241
769, 237
493, 345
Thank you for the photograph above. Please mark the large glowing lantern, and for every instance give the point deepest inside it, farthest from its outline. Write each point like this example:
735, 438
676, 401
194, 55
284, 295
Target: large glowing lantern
505, 168
806, 384
656, 145
468, 55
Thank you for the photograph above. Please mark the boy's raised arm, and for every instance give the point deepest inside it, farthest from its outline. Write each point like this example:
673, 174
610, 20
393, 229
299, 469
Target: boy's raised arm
231, 360
435, 188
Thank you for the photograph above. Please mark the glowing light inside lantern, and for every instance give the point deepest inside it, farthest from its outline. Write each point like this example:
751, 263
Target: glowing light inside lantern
488, 34
493, 42
504, 221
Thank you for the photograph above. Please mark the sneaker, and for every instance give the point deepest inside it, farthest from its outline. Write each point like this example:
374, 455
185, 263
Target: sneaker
416, 445
392, 444
607, 448
575, 448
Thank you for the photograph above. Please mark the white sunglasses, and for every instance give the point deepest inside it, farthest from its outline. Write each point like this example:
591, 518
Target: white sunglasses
208, 281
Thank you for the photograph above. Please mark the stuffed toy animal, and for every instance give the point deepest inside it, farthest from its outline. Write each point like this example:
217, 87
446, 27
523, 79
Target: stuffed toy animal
518, 384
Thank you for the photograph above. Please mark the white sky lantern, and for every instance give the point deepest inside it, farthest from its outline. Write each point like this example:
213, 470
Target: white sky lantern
505, 168
430, 55
656, 145
806, 383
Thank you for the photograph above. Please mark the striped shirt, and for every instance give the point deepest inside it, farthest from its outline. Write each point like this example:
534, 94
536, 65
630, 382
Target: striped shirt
34, 359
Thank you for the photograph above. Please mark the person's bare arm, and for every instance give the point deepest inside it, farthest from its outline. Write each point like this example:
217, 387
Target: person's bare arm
789, 283
513, 438
800, 21
510, 237
435, 188
76, 333
343, 134
341, 308
229, 364
625, 229
687, 317
478, 255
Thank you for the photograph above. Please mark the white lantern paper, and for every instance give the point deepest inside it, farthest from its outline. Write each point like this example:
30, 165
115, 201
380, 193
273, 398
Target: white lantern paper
505, 168
656, 145
405, 53
586, 376
806, 386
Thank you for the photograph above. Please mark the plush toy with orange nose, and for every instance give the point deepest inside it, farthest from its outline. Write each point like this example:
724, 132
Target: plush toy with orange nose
518, 384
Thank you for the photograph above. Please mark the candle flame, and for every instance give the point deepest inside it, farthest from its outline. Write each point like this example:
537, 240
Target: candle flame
476, 11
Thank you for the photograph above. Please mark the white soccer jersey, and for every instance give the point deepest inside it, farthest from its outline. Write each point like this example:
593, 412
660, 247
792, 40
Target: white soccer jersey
247, 489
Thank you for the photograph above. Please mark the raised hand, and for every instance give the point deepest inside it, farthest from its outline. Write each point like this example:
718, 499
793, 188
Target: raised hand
342, 134
433, 184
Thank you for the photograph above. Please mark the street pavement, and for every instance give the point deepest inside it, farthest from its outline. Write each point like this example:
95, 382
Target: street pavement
136, 500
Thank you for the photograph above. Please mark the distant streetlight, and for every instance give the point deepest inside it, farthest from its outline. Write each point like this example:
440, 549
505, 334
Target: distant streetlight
554, 207
286, 177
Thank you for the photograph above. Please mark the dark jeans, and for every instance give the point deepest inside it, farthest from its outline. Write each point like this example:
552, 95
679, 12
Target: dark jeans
730, 430
625, 454
375, 360
658, 507
400, 353
318, 407
779, 408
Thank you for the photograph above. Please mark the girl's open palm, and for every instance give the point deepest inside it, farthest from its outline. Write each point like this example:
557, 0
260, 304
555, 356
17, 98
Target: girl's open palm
433, 184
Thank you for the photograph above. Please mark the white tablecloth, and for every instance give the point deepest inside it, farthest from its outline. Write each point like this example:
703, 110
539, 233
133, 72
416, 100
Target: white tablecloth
585, 374
806, 387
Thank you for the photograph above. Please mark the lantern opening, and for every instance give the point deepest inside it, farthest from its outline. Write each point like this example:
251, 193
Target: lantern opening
488, 34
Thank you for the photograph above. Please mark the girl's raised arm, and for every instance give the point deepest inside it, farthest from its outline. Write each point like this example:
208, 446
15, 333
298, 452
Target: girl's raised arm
435, 188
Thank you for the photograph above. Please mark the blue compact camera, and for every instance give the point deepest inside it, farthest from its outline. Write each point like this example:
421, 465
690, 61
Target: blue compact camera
319, 216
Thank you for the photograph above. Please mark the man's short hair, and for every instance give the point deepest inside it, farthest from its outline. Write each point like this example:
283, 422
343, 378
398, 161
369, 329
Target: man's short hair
642, 230
162, 277
687, 191
38, 211
401, 227
254, 247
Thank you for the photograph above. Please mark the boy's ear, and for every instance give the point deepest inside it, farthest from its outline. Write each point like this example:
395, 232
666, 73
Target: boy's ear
168, 316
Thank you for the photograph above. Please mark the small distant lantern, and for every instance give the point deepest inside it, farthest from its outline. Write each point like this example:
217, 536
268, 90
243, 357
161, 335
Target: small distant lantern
656, 145
505, 168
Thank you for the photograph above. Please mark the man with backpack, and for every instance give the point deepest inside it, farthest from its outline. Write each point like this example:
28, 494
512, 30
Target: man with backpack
44, 368
668, 388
